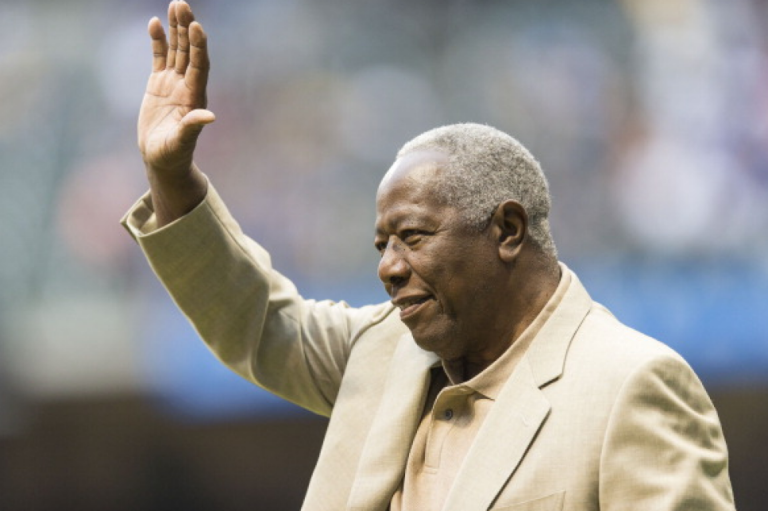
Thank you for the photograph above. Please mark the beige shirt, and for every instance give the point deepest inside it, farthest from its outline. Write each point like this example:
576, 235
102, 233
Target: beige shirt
453, 414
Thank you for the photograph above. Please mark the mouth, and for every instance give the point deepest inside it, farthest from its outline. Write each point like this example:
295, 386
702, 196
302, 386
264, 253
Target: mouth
410, 305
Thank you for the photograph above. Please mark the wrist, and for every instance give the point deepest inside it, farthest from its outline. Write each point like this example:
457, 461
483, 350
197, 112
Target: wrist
174, 194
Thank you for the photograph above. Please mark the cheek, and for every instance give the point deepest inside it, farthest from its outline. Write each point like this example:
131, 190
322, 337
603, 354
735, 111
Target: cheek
452, 282
470, 278
459, 273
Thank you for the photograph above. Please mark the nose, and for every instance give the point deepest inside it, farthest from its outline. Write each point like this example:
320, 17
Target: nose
393, 269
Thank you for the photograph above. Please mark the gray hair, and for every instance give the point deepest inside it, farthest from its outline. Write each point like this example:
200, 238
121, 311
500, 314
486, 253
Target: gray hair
485, 168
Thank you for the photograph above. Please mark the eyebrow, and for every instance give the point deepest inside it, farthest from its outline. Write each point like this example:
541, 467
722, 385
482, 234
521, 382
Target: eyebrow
400, 220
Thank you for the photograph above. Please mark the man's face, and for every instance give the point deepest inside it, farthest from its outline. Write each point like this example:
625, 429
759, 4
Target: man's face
438, 271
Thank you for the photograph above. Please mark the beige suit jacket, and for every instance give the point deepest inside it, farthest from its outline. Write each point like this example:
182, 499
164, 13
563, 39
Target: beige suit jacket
595, 417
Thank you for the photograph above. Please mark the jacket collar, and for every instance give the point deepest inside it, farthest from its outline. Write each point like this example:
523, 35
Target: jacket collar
521, 410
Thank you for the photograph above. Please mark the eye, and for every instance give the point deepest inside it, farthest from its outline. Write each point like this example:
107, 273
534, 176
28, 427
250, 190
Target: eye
411, 236
380, 246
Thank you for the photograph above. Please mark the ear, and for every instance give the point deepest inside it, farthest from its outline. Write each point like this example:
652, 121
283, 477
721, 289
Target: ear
510, 227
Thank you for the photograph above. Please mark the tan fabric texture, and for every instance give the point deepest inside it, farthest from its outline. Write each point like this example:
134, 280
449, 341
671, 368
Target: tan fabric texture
594, 415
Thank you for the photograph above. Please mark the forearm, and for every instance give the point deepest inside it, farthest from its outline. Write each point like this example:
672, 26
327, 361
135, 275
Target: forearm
250, 316
175, 195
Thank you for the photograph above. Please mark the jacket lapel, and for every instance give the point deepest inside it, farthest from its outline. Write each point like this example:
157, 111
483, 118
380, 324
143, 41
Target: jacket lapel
386, 449
516, 417
520, 410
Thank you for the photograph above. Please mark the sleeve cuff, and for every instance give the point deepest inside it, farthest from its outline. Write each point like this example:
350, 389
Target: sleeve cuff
141, 221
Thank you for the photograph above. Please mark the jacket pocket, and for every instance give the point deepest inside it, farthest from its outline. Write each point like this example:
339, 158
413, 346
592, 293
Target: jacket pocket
552, 502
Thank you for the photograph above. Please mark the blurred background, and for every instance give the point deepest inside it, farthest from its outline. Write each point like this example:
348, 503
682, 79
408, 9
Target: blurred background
650, 118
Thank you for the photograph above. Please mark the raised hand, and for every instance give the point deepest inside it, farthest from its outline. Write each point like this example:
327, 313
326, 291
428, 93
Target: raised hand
173, 112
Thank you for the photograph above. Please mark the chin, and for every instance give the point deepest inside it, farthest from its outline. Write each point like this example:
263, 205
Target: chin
439, 337
435, 344
426, 343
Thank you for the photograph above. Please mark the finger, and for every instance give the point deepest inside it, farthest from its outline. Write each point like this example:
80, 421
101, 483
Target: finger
170, 62
159, 44
184, 17
196, 76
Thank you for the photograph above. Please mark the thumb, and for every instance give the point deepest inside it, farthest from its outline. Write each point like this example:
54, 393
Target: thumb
193, 123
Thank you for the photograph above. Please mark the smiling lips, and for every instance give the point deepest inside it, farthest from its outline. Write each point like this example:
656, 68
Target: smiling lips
408, 305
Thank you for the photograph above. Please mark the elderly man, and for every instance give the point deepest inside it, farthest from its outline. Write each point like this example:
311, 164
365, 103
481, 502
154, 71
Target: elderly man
491, 380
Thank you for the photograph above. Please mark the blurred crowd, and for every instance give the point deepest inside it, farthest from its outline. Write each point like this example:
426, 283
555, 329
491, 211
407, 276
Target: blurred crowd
649, 117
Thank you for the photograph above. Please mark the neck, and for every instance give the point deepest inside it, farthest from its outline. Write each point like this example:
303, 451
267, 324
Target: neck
530, 289
464, 369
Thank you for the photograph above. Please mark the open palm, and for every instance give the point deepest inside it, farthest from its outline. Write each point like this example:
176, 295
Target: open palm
173, 110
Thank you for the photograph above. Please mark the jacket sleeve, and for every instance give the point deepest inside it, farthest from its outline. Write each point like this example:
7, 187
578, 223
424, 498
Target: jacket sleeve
250, 316
664, 448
